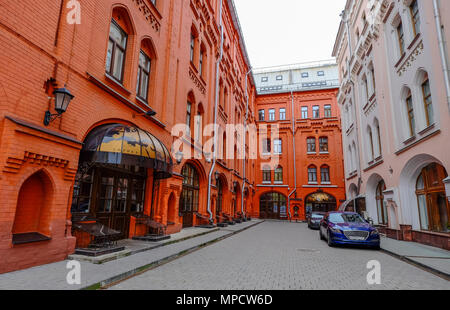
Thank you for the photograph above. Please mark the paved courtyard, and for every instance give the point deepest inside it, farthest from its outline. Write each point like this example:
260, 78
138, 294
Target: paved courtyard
276, 255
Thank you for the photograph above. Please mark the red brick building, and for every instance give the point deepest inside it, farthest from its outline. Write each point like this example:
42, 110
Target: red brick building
136, 69
308, 174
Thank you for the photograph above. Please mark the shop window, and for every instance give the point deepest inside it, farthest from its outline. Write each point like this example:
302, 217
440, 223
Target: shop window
381, 204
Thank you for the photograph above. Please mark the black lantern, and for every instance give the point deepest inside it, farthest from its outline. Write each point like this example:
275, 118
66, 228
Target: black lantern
62, 99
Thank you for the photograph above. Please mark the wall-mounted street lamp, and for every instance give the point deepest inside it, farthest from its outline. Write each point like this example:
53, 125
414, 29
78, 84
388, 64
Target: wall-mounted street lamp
179, 157
62, 100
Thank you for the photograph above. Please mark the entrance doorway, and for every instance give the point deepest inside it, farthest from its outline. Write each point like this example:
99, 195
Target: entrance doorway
272, 206
189, 200
433, 205
320, 202
111, 193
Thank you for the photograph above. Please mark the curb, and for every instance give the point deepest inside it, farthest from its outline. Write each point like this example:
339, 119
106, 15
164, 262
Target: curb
137, 271
419, 265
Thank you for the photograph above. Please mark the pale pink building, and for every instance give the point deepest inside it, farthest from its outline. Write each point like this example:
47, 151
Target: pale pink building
395, 102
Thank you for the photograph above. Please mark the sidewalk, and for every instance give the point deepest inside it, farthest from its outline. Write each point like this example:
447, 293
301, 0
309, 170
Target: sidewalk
433, 259
95, 275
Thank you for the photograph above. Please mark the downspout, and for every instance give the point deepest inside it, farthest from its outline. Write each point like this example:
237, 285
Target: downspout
440, 34
245, 143
294, 161
214, 159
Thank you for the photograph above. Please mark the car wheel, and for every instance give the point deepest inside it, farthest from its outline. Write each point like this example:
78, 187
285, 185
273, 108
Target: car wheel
377, 247
330, 243
320, 233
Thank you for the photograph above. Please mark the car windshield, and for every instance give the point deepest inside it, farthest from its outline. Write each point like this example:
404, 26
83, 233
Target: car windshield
317, 215
346, 218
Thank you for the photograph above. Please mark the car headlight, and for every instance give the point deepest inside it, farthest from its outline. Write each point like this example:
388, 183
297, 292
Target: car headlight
374, 232
336, 230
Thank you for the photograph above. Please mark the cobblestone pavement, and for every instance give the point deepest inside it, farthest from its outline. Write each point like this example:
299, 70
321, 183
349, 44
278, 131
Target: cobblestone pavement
276, 255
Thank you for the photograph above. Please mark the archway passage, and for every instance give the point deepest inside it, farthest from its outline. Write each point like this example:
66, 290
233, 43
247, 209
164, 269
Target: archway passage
272, 206
434, 208
189, 200
320, 202
171, 209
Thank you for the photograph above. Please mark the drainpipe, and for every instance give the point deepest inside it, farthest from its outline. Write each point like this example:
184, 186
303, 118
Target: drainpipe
245, 142
211, 220
294, 161
440, 34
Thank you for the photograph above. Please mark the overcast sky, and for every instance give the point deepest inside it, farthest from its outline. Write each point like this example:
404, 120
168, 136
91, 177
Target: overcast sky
289, 31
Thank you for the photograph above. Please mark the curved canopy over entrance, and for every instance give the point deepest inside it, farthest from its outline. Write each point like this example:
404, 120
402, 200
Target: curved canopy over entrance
320, 202
120, 144
272, 206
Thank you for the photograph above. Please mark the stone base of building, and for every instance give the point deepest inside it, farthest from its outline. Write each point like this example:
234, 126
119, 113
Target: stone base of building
438, 240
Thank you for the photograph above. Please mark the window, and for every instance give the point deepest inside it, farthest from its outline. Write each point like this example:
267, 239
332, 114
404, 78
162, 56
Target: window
279, 77
201, 60
312, 174
311, 145
304, 112
372, 73
316, 111
411, 118
428, 102
192, 47
271, 114
401, 39
325, 174
189, 116
366, 88
261, 115
267, 177
323, 144
278, 146
143, 76
282, 114
321, 73
264, 79
305, 75
371, 148
189, 199
415, 16
266, 146
279, 175
117, 46
327, 112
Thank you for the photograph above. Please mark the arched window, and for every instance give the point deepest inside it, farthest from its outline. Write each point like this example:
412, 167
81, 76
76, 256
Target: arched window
381, 204
191, 187
194, 46
410, 113
189, 112
325, 174
427, 100
434, 209
371, 153
312, 174
279, 174
202, 60
117, 46
199, 124
377, 137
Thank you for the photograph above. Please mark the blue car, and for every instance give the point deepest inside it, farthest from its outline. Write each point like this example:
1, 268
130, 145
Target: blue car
348, 228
